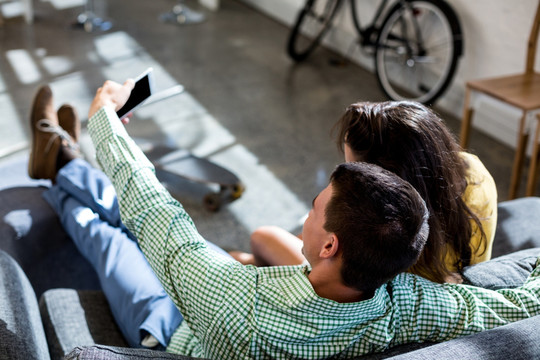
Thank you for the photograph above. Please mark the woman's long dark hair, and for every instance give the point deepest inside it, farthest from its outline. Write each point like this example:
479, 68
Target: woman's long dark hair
410, 140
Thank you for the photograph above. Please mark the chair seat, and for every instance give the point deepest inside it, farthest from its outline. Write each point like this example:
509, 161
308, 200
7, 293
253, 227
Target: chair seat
521, 91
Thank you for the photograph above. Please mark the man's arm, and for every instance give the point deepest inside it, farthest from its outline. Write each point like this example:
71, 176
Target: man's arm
439, 312
195, 278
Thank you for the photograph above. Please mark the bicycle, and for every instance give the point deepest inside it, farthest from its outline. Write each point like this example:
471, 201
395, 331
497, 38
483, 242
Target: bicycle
416, 45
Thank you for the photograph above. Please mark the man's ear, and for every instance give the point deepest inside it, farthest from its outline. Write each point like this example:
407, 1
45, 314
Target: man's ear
330, 247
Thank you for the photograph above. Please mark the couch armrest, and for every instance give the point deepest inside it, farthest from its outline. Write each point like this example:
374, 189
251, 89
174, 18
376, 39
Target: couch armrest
21, 332
77, 318
101, 352
516, 341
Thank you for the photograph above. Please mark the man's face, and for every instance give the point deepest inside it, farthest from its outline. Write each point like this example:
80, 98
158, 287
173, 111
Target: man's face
313, 232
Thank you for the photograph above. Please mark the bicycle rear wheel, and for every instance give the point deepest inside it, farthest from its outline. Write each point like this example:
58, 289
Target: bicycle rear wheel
417, 50
312, 23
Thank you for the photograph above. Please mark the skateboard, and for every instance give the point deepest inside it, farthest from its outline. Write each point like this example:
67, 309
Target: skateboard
181, 163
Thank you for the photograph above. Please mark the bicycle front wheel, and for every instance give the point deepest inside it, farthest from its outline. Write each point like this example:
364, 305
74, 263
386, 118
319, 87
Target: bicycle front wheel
417, 50
312, 23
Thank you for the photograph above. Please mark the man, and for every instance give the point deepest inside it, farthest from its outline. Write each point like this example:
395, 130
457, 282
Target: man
363, 231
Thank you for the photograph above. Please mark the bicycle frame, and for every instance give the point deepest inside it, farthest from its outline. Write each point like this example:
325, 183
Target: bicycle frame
368, 35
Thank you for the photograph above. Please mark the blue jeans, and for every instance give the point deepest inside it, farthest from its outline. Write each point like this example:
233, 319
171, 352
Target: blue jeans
85, 200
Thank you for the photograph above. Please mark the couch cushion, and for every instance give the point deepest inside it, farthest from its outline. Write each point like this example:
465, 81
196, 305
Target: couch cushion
518, 226
21, 332
518, 235
77, 318
508, 271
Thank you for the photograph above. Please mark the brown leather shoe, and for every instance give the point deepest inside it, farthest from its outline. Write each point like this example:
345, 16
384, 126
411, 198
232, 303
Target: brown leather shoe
69, 121
49, 141
45, 141
71, 126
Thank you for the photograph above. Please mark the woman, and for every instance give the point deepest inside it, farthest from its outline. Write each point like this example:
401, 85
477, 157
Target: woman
410, 140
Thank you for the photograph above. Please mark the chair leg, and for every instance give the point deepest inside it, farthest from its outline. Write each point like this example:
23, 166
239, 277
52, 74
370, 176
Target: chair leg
533, 167
467, 120
517, 168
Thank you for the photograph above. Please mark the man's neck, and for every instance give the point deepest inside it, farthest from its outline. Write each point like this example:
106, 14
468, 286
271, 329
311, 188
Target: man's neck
327, 283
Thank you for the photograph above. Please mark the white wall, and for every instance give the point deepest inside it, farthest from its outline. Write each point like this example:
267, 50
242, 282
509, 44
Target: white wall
496, 34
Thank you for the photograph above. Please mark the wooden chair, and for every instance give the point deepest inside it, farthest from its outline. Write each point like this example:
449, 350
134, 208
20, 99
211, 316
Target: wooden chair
533, 167
521, 91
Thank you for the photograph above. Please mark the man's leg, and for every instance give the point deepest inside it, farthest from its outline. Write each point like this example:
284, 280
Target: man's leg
94, 189
137, 299
86, 203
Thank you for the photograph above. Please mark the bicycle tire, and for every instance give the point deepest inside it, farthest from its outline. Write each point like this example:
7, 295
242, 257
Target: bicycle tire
313, 21
408, 70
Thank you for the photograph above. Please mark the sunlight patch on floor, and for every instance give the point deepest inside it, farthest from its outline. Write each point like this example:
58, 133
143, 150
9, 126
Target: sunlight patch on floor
23, 65
12, 135
266, 201
117, 45
12, 9
67, 4
74, 90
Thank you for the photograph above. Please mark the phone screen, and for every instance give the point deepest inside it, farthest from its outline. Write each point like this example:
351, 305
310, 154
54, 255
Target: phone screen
141, 92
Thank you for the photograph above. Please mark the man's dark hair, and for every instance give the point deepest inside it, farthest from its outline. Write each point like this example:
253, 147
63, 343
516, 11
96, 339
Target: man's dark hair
380, 221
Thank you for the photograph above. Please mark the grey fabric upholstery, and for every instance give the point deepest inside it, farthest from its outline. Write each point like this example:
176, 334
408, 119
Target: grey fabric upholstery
508, 271
516, 341
21, 332
32, 234
100, 352
518, 226
77, 318
395, 351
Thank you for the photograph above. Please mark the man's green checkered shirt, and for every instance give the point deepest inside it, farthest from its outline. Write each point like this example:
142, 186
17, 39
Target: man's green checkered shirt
242, 312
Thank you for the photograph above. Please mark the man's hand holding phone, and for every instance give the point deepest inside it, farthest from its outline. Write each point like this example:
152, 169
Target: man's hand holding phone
111, 94
124, 98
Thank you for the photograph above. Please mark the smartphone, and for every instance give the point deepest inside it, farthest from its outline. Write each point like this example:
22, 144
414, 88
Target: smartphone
144, 87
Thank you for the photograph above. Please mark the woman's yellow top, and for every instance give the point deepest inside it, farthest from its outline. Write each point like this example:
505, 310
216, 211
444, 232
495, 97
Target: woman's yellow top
481, 198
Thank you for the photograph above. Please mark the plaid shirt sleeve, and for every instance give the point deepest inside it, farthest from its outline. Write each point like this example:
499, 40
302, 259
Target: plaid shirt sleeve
196, 279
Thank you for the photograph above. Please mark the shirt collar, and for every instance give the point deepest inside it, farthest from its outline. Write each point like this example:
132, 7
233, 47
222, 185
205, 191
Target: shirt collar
299, 293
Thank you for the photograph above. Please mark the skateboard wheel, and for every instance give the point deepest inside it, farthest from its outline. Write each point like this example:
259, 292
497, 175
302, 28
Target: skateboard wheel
212, 202
237, 190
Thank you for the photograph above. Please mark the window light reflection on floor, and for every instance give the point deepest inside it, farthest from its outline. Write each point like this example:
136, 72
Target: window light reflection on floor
67, 4
23, 65
10, 122
57, 65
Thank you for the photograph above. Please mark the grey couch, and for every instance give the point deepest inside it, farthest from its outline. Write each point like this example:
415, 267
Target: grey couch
72, 317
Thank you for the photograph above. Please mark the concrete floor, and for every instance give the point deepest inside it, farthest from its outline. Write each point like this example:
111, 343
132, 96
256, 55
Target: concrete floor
246, 105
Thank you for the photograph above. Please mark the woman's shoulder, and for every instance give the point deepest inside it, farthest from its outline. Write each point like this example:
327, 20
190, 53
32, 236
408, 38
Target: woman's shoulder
481, 198
476, 172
